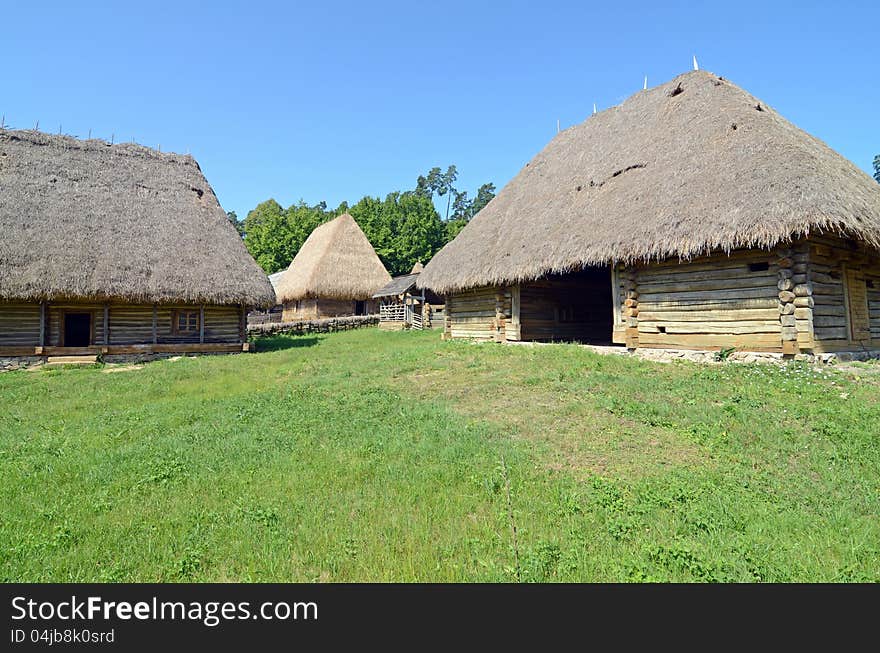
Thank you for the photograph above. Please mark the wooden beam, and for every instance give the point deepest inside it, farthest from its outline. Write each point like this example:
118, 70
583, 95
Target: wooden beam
242, 324
42, 324
155, 324
201, 324
106, 324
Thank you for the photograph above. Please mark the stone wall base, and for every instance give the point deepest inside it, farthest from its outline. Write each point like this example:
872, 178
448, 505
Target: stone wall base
10, 363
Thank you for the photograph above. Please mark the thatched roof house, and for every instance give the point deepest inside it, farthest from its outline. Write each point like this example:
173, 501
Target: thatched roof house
678, 176
335, 273
92, 231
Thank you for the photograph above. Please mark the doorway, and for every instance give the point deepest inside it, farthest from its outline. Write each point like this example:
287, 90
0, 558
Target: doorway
573, 307
77, 329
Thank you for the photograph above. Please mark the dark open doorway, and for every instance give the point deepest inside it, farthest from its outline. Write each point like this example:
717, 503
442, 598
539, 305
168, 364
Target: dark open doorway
360, 308
77, 329
574, 307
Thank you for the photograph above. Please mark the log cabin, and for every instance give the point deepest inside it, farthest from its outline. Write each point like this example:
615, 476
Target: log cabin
334, 274
691, 216
116, 250
402, 306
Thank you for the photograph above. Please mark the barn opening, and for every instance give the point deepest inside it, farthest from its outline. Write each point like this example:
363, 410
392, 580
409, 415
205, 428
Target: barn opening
573, 307
77, 329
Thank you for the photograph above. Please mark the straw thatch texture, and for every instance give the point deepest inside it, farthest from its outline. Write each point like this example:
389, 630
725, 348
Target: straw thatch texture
336, 262
89, 220
691, 166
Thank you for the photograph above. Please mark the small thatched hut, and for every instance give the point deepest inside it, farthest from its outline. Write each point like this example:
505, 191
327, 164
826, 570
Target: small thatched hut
116, 249
334, 274
401, 306
692, 216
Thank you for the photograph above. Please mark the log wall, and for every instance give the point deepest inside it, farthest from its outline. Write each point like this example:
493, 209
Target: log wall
844, 277
19, 324
820, 294
127, 324
479, 313
711, 302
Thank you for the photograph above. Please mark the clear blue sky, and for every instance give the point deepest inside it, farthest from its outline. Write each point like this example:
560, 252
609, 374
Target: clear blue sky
335, 100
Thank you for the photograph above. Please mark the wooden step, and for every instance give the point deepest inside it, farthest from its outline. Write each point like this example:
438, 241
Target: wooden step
71, 360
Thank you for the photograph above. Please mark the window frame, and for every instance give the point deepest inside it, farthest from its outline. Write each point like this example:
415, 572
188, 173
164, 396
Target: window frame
187, 331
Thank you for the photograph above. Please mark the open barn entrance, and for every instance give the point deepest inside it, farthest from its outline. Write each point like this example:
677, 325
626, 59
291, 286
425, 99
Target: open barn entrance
77, 329
574, 307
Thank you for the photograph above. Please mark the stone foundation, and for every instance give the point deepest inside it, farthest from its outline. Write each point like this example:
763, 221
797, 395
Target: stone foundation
19, 362
696, 356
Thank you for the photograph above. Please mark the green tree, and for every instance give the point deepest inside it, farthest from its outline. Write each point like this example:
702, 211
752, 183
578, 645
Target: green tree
275, 235
877, 168
446, 186
485, 194
238, 224
454, 227
261, 227
403, 228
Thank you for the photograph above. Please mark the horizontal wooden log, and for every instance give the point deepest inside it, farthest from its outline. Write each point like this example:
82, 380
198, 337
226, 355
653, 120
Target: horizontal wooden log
711, 316
754, 281
686, 274
703, 295
733, 328
801, 302
830, 333
710, 342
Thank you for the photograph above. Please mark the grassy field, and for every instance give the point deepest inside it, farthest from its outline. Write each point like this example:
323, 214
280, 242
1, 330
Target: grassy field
372, 456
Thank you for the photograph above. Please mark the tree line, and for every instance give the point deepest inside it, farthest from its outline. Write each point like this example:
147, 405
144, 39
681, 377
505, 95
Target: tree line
403, 228
877, 168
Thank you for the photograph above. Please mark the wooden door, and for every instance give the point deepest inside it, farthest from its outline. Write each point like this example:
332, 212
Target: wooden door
857, 306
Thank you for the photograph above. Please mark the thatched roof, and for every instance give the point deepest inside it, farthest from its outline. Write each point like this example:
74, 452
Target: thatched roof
397, 286
336, 262
691, 166
418, 267
87, 220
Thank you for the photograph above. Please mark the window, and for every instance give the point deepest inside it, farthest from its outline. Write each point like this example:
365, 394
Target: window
186, 322
759, 267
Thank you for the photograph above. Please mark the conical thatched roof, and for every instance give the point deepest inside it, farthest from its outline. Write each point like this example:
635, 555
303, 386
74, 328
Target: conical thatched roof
418, 267
89, 220
336, 262
690, 166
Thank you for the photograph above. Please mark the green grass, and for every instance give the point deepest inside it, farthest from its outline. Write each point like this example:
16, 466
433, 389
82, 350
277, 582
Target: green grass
372, 456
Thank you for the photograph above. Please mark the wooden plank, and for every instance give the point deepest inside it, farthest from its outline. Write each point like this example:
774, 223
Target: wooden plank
106, 325
42, 324
703, 304
18, 351
732, 328
710, 342
703, 295
687, 275
710, 316
753, 282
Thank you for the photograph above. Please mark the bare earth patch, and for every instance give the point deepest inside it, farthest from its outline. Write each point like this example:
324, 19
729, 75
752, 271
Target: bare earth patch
571, 432
122, 368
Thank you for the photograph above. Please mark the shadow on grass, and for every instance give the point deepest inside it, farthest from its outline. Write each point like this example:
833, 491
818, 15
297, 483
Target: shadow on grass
280, 342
